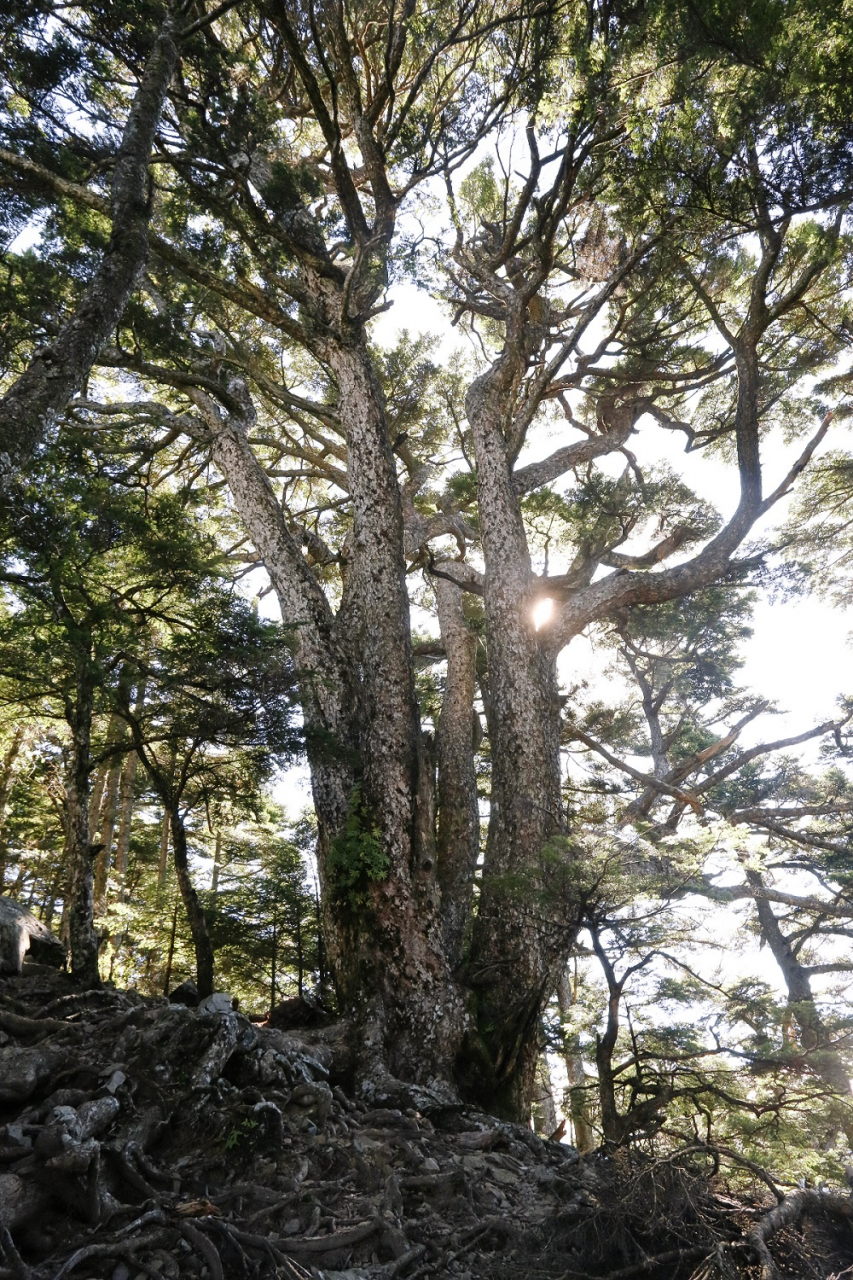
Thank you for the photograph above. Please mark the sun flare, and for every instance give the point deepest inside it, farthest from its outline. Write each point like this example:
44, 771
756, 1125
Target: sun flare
542, 613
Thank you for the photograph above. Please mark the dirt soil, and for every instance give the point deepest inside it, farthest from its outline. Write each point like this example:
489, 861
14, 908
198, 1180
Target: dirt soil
144, 1139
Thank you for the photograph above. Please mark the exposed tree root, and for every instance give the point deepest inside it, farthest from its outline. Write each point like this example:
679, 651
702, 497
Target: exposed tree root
140, 1139
794, 1207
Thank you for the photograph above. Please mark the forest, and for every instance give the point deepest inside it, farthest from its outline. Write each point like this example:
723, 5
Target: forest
422, 397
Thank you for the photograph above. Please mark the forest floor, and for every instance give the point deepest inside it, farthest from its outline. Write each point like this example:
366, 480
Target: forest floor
143, 1139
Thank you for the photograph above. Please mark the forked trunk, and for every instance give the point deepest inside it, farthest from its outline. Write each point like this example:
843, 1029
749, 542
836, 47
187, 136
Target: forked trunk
380, 871
371, 779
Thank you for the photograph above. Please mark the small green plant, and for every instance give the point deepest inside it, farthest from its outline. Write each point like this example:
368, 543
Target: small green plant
240, 1133
356, 857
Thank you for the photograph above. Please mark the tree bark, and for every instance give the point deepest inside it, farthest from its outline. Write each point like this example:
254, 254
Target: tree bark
34, 400
393, 963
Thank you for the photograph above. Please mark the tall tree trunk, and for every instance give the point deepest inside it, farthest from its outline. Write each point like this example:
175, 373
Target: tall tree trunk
173, 933
192, 905
274, 963
78, 849
31, 404
458, 841
523, 929
390, 961
370, 780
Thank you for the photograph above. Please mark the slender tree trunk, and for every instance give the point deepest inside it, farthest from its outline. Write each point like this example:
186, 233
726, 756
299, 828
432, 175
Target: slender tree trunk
167, 981
125, 822
126, 791
274, 964
7, 781
458, 842
322, 972
217, 860
79, 851
822, 1057
300, 959
582, 1133
108, 822
544, 1110
163, 860
96, 794
30, 406
524, 927
192, 906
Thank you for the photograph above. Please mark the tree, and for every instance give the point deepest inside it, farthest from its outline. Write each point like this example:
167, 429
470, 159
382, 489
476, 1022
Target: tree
90, 567
264, 921
216, 719
659, 259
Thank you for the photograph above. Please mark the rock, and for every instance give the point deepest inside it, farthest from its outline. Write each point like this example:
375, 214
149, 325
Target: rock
219, 1002
186, 994
19, 1201
116, 1080
22, 933
298, 1012
23, 1070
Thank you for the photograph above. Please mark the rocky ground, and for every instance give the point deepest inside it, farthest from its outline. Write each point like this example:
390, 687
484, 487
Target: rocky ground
144, 1139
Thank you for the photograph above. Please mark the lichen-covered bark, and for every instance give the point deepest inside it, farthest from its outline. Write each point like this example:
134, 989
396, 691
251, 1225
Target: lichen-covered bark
43, 390
523, 930
397, 946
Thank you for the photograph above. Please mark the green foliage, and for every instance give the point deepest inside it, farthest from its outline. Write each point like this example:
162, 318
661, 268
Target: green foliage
357, 858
